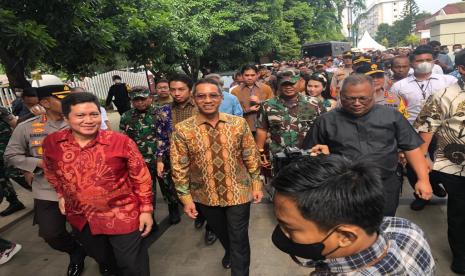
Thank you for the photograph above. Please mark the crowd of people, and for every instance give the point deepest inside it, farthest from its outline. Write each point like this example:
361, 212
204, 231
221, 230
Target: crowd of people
366, 120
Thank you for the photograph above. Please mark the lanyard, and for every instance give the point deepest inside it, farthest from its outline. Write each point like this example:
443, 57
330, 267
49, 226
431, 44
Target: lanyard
423, 88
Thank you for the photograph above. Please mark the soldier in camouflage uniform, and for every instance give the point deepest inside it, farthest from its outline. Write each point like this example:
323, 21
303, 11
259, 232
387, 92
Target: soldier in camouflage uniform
287, 118
7, 122
139, 124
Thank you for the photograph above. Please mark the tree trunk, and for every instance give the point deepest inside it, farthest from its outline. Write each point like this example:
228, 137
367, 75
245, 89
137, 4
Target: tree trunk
15, 69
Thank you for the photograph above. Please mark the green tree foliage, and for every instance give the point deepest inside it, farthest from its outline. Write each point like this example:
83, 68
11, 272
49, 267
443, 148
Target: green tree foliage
409, 14
83, 36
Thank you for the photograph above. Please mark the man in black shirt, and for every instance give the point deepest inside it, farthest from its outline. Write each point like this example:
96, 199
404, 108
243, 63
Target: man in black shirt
361, 130
119, 91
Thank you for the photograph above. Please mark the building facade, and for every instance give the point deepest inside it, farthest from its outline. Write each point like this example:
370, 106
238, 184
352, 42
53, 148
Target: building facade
381, 11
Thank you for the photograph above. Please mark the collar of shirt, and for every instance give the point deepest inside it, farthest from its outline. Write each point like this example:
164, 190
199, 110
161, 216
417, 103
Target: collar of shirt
360, 260
199, 120
291, 103
102, 138
412, 78
183, 105
137, 113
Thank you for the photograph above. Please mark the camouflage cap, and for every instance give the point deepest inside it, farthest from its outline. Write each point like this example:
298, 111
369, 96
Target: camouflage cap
139, 92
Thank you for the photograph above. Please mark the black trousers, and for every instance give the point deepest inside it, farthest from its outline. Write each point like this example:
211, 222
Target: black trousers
231, 225
455, 187
124, 254
52, 226
391, 187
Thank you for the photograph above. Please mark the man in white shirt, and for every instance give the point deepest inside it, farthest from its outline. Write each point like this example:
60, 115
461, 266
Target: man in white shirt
415, 90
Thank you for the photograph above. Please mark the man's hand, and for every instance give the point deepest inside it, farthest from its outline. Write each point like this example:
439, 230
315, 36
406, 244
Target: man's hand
145, 223
254, 108
402, 159
160, 168
257, 196
423, 189
190, 210
40, 164
28, 176
61, 205
37, 110
319, 149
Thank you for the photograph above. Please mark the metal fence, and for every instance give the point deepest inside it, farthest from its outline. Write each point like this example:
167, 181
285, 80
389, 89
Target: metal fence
7, 96
98, 85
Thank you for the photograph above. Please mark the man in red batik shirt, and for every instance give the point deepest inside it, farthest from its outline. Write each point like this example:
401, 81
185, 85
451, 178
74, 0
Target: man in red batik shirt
103, 185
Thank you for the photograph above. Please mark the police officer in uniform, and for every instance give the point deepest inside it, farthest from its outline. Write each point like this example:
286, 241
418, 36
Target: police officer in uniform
24, 151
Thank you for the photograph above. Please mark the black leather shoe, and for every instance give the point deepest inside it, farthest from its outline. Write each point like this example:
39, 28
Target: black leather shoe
12, 208
75, 269
175, 217
418, 204
439, 191
210, 237
458, 267
199, 223
226, 261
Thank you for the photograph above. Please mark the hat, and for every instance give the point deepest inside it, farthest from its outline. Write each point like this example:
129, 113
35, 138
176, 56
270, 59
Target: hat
57, 91
347, 54
289, 80
360, 59
369, 69
139, 92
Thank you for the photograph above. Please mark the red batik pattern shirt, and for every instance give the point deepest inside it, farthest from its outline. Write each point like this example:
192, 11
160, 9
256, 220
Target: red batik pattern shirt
105, 184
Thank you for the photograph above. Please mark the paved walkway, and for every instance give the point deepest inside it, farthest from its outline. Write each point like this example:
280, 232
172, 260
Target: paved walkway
181, 251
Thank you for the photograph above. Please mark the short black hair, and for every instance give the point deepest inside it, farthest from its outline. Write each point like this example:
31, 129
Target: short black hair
162, 81
330, 190
183, 78
398, 58
249, 67
116, 77
29, 92
209, 81
434, 43
460, 58
78, 98
420, 50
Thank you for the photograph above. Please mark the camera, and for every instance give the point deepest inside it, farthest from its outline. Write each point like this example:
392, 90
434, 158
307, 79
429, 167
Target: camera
287, 156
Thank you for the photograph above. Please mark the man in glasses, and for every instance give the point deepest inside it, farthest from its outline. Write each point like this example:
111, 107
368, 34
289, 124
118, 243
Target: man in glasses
216, 171
24, 151
363, 130
330, 215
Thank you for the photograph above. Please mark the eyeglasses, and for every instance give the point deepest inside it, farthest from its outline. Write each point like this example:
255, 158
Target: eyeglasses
362, 100
203, 97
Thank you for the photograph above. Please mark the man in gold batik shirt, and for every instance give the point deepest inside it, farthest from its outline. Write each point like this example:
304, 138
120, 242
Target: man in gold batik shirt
216, 164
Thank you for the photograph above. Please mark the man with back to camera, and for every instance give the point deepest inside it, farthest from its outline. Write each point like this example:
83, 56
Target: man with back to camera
363, 130
330, 215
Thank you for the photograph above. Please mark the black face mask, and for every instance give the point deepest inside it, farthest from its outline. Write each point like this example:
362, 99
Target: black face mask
312, 251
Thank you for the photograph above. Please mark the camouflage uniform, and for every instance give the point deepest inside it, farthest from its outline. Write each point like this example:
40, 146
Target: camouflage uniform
287, 124
6, 189
140, 127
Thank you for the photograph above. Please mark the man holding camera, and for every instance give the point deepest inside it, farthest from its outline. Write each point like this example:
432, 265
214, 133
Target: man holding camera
287, 117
